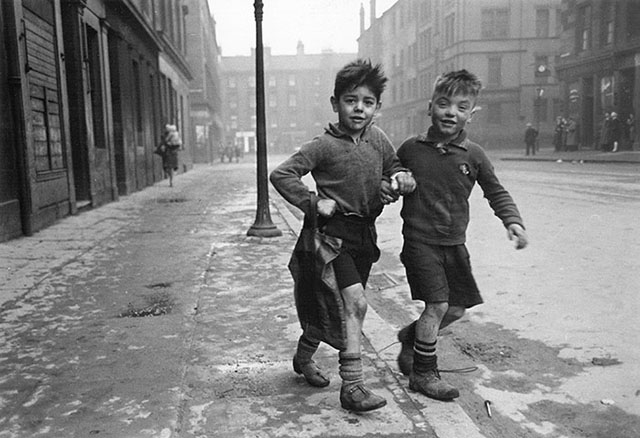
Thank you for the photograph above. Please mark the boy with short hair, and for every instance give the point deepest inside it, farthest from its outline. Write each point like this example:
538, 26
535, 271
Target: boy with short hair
446, 165
348, 162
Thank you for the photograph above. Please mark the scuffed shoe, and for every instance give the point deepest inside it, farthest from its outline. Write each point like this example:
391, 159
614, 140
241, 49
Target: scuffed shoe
431, 385
406, 336
312, 374
357, 398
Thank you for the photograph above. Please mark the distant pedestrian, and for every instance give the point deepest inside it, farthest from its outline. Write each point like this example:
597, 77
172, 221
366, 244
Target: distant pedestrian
616, 131
446, 166
558, 134
571, 129
348, 162
530, 139
605, 133
237, 152
631, 131
168, 150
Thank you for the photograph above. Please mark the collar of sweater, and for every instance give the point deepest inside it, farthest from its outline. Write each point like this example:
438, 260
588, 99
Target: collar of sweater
333, 130
431, 139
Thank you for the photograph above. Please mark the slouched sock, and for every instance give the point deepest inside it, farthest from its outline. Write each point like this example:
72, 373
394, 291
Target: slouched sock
350, 369
307, 346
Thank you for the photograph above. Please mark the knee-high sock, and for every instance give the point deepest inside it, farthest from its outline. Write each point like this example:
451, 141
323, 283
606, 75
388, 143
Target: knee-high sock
425, 358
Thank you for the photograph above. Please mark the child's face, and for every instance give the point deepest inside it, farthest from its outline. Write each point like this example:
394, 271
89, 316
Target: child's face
355, 109
450, 114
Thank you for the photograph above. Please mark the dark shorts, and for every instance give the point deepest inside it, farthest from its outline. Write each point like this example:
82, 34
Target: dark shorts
440, 274
358, 252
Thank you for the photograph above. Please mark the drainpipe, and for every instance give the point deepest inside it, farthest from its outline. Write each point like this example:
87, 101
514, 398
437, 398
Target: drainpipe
16, 39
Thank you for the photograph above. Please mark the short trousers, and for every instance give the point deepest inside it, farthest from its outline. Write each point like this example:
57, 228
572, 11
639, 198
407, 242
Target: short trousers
439, 273
358, 252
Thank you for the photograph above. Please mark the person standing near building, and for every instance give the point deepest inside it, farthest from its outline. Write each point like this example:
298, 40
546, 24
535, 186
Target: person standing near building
631, 131
348, 162
605, 133
558, 134
571, 135
530, 138
616, 131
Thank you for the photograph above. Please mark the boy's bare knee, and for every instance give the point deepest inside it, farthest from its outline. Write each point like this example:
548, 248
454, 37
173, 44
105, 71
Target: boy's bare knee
355, 302
436, 309
455, 312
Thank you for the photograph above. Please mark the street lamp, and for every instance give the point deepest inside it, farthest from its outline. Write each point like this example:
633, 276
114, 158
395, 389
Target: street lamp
262, 227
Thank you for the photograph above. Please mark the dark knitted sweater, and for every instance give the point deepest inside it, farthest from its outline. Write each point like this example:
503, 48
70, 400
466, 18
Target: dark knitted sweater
437, 212
344, 171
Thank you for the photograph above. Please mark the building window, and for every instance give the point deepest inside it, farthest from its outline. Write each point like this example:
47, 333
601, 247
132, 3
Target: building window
293, 102
606, 33
231, 82
495, 23
494, 113
251, 82
606, 91
292, 80
272, 81
542, 23
633, 18
494, 75
234, 122
95, 80
273, 101
254, 122
584, 28
449, 30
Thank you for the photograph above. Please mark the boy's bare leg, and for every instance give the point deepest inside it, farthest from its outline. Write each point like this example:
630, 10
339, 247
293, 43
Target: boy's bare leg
425, 377
407, 337
354, 396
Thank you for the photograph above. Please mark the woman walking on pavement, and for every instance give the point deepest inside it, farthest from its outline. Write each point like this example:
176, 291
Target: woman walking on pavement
168, 150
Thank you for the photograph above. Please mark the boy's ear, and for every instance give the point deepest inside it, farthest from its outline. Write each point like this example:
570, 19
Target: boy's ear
334, 103
429, 109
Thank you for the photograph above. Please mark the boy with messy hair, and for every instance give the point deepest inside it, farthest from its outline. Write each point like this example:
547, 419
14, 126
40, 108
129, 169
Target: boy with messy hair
446, 165
348, 163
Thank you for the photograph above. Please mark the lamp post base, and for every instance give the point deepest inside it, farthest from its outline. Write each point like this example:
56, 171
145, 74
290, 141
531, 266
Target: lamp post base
265, 230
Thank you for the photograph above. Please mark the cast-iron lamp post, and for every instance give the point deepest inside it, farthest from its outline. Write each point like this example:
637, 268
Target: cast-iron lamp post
262, 227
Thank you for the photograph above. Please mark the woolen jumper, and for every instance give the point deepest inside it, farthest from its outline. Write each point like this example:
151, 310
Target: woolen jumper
344, 171
437, 212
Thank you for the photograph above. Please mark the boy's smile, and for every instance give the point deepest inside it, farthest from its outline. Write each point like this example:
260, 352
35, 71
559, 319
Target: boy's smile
450, 114
355, 109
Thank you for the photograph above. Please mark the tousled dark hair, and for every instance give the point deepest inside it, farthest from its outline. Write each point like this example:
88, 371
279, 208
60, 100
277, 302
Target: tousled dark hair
460, 81
357, 73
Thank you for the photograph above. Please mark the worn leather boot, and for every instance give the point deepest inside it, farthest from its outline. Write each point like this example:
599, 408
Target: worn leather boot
312, 374
431, 385
406, 336
357, 398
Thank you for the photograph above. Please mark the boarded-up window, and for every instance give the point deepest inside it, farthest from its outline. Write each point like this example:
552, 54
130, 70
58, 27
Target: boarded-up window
40, 45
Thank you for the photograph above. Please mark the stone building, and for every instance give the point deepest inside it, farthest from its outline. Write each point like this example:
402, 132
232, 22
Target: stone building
85, 91
297, 92
598, 65
203, 55
504, 42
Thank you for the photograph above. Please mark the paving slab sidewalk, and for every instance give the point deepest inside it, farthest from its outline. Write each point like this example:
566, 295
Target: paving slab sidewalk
157, 316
